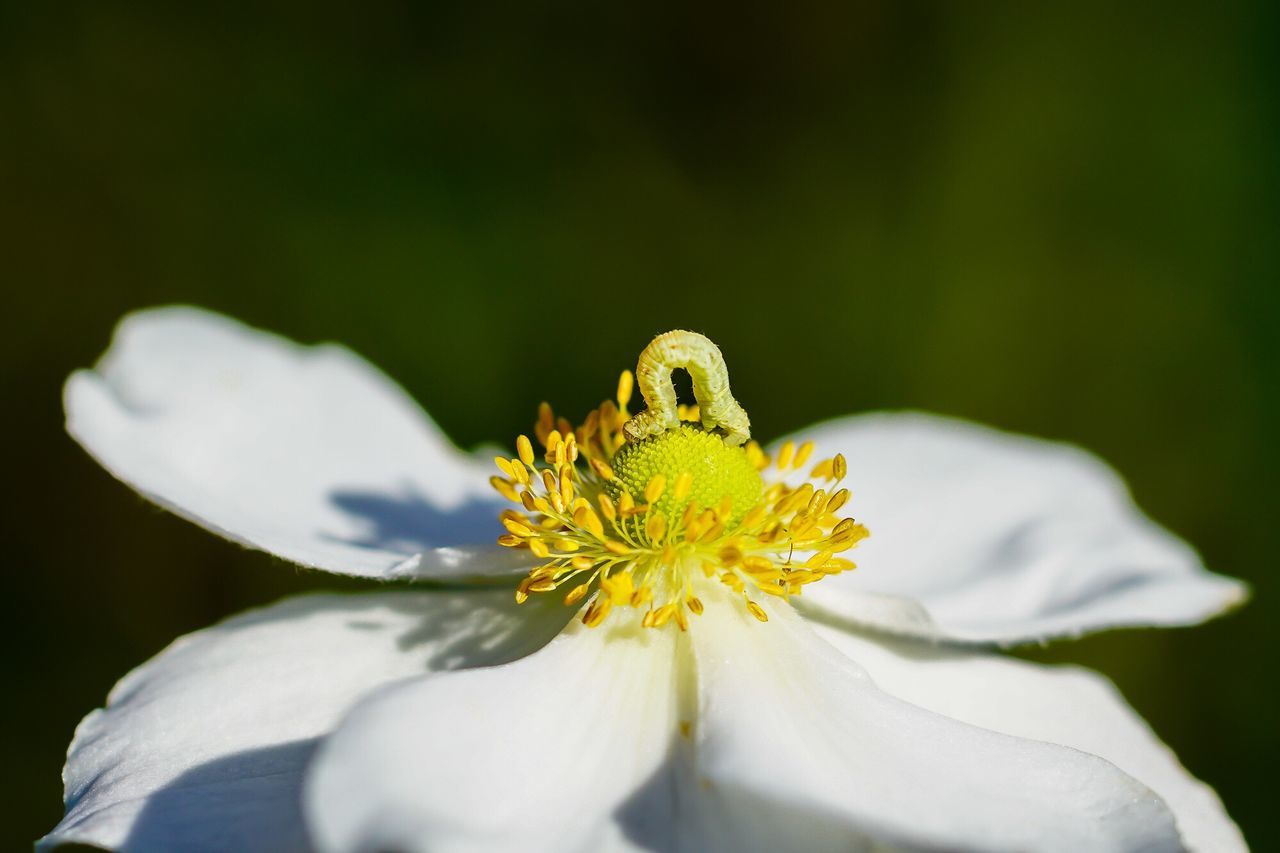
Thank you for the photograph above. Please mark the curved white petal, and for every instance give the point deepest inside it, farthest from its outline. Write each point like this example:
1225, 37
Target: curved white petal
1001, 538
309, 453
797, 749
1065, 705
561, 751
203, 747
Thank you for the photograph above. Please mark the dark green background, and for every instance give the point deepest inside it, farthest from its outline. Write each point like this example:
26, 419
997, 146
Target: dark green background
1059, 219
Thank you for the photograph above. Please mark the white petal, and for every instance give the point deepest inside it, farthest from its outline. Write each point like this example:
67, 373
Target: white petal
203, 747
797, 749
308, 453
1065, 705
560, 751
1001, 538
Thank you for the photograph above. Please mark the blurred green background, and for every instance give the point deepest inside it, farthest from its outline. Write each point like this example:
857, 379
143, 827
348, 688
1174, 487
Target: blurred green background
1060, 219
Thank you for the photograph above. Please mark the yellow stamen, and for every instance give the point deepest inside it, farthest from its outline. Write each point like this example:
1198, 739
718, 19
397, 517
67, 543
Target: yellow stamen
524, 449
785, 454
625, 384
656, 487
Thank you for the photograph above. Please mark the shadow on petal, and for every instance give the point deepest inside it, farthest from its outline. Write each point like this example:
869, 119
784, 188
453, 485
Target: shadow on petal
649, 818
465, 631
406, 522
247, 801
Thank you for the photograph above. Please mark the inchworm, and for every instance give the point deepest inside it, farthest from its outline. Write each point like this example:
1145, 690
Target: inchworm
705, 364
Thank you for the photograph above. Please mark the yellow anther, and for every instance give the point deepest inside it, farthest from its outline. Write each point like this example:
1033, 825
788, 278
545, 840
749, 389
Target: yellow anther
802, 526
802, 454
695, 604
546, 423
542, 586
507, 540
608, 415
663, 614
754, 517
524, 449
602, 469
596, 611
504, 465
582, 562
642, 595
616, 547
657, 485
655, 526
521, 596
516, 527
712, 533
757, 611
724, 510
785, 455
626, 503
839, 468
626, 382
586, 518
838, 500
577, 593
822, 470
818, 560
607, 509
618, 587
505, 489
683, 484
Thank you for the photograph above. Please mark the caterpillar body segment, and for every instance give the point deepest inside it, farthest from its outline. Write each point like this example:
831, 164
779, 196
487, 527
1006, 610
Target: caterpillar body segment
705, 364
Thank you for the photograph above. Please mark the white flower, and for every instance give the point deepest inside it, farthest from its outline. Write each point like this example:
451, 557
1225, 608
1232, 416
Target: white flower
451, 719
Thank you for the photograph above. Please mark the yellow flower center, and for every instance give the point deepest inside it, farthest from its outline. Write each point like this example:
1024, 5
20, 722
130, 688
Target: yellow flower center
690, 465
645, 523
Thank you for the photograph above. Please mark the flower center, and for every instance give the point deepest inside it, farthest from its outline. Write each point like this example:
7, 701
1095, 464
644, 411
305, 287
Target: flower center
687, 466
642, 512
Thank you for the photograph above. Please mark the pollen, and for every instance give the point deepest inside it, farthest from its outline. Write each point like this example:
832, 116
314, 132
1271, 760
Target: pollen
640, 514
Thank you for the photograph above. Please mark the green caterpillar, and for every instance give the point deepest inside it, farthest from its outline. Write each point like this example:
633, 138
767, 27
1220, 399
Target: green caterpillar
705, 364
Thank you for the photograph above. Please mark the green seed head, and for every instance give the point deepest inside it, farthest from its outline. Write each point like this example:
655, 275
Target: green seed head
716, 468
